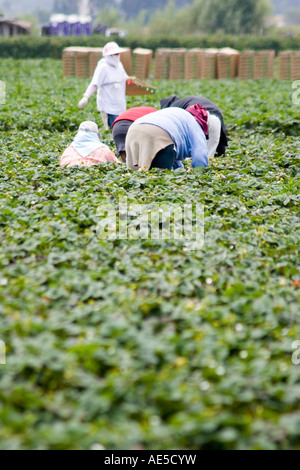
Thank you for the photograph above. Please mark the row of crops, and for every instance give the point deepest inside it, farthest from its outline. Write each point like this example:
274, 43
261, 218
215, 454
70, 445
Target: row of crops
139, 344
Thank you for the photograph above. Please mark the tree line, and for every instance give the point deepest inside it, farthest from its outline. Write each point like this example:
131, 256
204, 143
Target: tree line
178, 16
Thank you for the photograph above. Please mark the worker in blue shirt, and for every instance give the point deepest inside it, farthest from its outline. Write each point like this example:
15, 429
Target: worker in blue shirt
165, 138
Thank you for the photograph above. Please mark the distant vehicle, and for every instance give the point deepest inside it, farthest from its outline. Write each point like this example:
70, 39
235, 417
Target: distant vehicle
100, 28
68, 25
121, 33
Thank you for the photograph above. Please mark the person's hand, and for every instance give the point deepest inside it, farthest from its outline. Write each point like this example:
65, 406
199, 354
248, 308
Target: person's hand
83, 102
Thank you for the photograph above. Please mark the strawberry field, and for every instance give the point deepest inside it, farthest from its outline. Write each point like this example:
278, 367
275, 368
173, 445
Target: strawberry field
140, 344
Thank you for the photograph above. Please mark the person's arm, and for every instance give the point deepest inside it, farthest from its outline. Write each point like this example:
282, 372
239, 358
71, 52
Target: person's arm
200, 157
199, 151
90, 90
87, 94
93, 86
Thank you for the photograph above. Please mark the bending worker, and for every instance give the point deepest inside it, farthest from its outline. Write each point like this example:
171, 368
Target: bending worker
86, 148
217, 141
164, 138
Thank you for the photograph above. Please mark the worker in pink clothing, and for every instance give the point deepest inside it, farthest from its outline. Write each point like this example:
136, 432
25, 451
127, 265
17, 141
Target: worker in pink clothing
86, 148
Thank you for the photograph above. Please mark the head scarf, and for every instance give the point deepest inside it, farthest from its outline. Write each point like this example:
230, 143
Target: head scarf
201, 116
87, 139
113, 60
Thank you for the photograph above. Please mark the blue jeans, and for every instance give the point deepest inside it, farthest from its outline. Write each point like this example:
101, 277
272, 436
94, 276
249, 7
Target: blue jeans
111, 118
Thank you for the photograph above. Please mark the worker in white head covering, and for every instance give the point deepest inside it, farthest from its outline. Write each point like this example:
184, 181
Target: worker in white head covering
87, 148
109, 80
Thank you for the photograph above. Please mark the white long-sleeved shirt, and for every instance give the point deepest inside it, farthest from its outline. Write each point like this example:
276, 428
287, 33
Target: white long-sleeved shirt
110, 83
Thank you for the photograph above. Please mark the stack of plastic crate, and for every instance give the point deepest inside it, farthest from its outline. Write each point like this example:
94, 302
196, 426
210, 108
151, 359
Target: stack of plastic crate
95, 56
209, 63
246, 64
161, 63
82, 62
263, 65
285, 65
68, 58
193, 64
141, 62
126, 60
295, 69
227, 63
177, 64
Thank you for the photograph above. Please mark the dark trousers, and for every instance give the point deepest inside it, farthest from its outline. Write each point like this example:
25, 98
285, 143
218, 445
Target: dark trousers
164, 158
111, 118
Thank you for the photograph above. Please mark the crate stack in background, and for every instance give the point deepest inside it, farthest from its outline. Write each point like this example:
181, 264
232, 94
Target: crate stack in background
285, 65
184, 64
295, 67
246, 64
126, 59
177, 64
82, 62
227, 63
161, 63
193, 64
141, 62
209, 63
289, 65
263, 65
76, 62
95, 55
68, 59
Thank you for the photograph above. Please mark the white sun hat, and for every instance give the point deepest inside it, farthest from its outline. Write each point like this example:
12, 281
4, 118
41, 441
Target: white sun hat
89, 126
111, 48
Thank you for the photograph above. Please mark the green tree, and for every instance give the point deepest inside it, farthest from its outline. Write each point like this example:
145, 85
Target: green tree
233, 16
137, 26
167, 21
32, 19
229, 16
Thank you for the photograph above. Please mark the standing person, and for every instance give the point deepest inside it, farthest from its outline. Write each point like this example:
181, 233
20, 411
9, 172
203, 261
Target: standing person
165, 138
86, 148
109, 80
217, 141
123, 122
